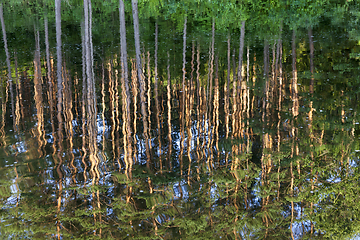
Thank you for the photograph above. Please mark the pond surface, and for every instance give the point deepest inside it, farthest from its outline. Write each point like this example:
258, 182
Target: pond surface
179, 127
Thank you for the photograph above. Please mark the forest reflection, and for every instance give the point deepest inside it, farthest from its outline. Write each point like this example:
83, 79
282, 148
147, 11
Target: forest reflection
221, 144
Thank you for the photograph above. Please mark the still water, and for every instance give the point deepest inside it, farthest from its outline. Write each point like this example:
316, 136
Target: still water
120, 127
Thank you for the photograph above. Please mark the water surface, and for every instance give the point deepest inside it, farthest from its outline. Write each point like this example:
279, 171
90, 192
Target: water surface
177, 129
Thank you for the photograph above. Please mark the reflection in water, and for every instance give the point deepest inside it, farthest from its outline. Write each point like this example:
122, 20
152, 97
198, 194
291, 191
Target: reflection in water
125, 92
227, 88
158, 113
90, 97
10, 81
18, 100
59, 67
168, 88
280, 74
209, 119
38, 96
112, 105
134, 83
224, 145
140, 76
59, 111
182, 102
91, 116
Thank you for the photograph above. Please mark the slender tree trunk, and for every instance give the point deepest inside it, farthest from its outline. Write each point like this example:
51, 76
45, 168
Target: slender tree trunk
140, 76
103, 107
59, 103
18, 99
198, 101
169, 109
59, 64
38, 95
134, 83
189, 110
310, 115
49, 76
149, 98
10, 81
83, 106
183, 94
241, 50
295, 112
125, 77
234, 103
279, 107
311, 44
216, 119
211, 69
227, 89
158, 113
295, 109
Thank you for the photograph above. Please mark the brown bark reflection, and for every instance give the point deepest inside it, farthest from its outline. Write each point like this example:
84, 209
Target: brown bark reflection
51, 86
3, 113
112, 96
294, 89
209, 84
247, 90
214, 102
227, 90
311, 87
103, 105
158, 113
267, 83
295, 96
49, 71
59, 107
267, 140
140, 76
134, 83
83, 108
311, 46
310, 116
204, 124
125, 91
182, 103
273, 71
1, 83
241, 52
241, 86
18, 100
91, 110
198, 103
244, 98
234, 100
148, 103
10, 81
145, 114
117, 153
216, 121
295, 112
59, 68
189, 106
168, 90
279, 106
68, 119
39, 132
253, 84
